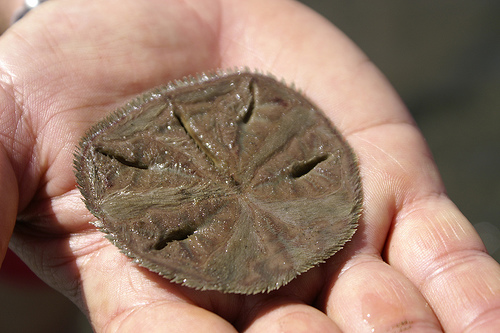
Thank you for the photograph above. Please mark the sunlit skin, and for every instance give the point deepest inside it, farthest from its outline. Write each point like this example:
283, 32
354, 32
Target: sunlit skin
414, 263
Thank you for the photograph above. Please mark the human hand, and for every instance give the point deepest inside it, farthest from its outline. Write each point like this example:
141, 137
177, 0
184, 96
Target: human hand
415, 261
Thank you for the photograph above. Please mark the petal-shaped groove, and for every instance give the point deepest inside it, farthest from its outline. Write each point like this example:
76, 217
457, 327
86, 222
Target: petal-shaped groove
232, 182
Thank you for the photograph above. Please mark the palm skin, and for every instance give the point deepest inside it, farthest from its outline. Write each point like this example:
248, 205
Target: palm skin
415, 262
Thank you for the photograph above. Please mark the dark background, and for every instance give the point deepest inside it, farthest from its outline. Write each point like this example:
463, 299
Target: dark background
443, 57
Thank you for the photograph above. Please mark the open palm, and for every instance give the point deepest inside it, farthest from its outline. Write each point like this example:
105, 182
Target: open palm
415, 261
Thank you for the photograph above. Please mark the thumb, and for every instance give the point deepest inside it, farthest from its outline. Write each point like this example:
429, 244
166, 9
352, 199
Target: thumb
9, 201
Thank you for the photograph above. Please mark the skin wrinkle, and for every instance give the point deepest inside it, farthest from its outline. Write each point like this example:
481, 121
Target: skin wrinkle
393, 287
357, 134
86, 250
22, 125
61, 46
452, 230
359, 259
107, 307
464, 302
448, 232
443, 242
380, 123
120, 317
82, 262
483, 296
55, 186
7, 86
402, 198
483, 318
412, 206
425, 242
17, 101
385, 153
451, 263
436, 239
437, 275
418, 204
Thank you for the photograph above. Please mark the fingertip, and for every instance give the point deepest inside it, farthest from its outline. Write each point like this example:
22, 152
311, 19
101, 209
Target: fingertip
295, 318
371, 296
166, 316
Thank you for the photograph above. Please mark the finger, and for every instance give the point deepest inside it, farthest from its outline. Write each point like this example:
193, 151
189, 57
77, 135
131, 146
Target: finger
135, 299
282, 316
171, 317
370, 296
438, 249
402, 186
430, 241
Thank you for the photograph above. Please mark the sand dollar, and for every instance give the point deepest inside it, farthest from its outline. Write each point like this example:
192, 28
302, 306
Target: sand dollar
232, 182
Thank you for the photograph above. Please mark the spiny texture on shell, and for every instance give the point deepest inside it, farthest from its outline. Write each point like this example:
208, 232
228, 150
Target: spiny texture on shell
231, 182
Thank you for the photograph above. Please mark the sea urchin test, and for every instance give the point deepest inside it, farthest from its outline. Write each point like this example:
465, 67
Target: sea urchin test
232, 182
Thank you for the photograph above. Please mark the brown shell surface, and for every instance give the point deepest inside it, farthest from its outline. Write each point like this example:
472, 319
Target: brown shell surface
231, 182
